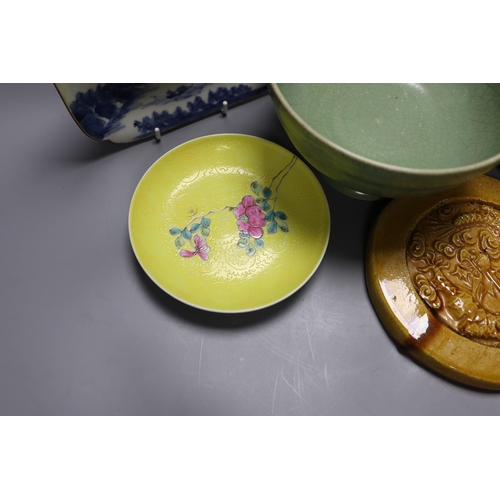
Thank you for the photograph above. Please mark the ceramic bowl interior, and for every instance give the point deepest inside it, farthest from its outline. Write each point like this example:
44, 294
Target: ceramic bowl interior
407, 129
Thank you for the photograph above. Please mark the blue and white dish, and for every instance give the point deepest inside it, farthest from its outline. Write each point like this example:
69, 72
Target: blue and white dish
128, 112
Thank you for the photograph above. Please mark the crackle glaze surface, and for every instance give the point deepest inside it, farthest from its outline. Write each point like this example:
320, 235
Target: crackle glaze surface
229, 223
393, 140
433, 274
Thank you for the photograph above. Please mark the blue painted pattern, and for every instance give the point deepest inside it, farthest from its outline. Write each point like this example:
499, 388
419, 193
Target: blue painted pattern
101, 111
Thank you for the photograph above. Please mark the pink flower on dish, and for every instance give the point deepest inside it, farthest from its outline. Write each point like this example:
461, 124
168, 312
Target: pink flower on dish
200, 248
250, 217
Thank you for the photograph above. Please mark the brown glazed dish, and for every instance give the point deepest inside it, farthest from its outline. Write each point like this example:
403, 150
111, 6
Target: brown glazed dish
433, 275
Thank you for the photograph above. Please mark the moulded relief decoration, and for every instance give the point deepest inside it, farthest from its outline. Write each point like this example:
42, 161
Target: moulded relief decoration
453, 257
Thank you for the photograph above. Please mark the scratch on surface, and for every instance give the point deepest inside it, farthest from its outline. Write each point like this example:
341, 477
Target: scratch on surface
293, 389
279, 352
274, 395
181, 338
313, 382
310, 345
326, 377
222, 344
199, 361
299, 384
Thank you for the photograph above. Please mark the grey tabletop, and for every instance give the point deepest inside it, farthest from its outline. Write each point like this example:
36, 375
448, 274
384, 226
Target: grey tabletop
84, 331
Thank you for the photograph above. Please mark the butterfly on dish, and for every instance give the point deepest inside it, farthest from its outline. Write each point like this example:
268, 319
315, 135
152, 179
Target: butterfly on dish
200, 248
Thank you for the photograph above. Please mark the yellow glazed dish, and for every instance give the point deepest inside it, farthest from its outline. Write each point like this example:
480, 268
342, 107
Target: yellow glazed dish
229, 223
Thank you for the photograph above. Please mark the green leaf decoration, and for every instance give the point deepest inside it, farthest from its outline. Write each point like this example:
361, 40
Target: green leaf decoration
205, 222
272, 227
205, 231
269, 216
256, 187
266, 206
195, 227
250, 250
259, 243
179, 242
174, 231
244, 235
259, 201
283, 226
242, 243
267, 193
187, 234
281, 215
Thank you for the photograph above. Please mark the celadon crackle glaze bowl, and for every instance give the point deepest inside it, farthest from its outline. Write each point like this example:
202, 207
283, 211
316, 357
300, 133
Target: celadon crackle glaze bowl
393, 140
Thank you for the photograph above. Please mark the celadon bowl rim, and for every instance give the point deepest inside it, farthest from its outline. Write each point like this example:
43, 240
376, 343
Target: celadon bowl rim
437, 172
